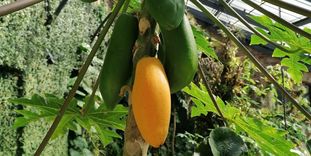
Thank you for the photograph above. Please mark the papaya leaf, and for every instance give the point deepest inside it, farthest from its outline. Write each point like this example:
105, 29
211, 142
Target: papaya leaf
197, 93
62, 127
299, 45
295, 68
35, 101
269, 139
279, 53
199, 108
106, 136
256, 40
134, 6
28, 116
27, 113
102, 119
21, 122
105, 139
84, 122
202, 42
204, 103
263, 20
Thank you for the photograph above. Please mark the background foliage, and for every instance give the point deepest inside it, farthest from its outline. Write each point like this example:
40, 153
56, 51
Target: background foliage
46, 55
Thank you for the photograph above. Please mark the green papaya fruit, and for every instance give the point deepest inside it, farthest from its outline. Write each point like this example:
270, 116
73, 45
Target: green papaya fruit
161, 50
117, 67
181, 60
168, 13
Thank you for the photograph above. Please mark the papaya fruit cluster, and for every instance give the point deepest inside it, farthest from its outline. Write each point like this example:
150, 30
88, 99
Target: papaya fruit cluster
154, 78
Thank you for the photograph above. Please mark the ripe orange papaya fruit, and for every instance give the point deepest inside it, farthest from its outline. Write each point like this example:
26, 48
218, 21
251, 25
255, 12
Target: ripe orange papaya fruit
117, 68
151, 101
180, 55
168, 13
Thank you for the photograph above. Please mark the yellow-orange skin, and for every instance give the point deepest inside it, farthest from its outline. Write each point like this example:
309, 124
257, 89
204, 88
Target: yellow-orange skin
151, 101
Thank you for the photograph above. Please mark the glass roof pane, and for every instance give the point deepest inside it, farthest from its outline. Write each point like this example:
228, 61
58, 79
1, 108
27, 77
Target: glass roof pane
302, 3
248, 10
227, 18
306, 26
241, 5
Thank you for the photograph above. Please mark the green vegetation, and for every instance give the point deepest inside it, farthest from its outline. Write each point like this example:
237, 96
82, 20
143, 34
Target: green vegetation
224, 107
45, 55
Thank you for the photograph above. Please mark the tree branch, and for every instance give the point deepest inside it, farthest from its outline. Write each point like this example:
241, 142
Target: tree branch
17, 5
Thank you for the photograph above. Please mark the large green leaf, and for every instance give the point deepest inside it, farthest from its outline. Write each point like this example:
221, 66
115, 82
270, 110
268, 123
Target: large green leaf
295, 68
268, 138
255, 40
298, 45
202, 42
103, 120
62, 127
134, 6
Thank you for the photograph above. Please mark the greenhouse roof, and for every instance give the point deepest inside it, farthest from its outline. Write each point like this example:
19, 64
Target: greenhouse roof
245, 10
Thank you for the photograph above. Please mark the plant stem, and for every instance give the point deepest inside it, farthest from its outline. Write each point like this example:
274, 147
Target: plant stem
134, 144
90, 103
234, 13
80, 77
99, 27
17, 5
278, 19
209, 90
251, 57
288, 6
174, 129
283, 102
125, 6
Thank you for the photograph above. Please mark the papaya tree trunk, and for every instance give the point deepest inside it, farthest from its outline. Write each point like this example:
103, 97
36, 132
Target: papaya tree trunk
134, 144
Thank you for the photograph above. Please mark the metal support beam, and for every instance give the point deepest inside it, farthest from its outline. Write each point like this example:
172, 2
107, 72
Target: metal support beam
303, 21
217, 6
291, 7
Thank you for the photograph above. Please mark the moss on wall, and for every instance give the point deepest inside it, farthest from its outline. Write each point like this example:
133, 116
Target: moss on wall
25, 44
8, 135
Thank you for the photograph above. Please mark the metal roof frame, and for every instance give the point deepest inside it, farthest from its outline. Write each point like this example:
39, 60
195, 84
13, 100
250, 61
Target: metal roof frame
214, 4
